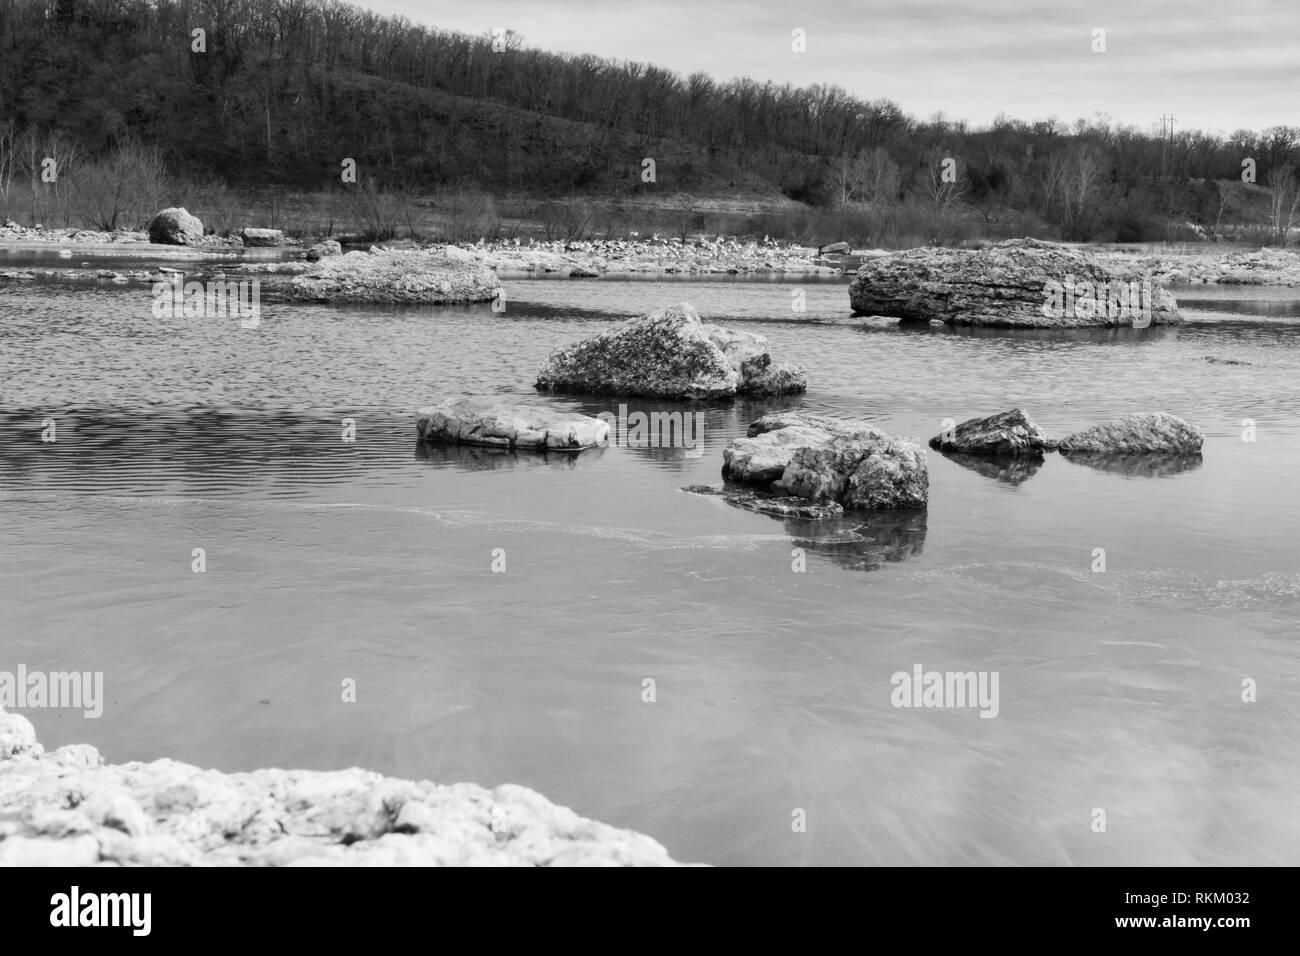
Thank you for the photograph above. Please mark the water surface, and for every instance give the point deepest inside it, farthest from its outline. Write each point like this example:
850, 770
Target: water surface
372, 560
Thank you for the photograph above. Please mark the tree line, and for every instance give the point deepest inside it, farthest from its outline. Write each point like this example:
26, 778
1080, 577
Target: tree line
261, 93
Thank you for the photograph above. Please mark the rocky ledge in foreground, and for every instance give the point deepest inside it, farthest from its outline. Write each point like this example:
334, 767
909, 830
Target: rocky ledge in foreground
69, 808
1007, 434
670, 354
1141, 433
434, 277
853, 464
477, 421
1020, 283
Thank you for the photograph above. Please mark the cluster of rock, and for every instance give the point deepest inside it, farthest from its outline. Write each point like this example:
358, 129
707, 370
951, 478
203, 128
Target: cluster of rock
69, 808
435, 277
700, 255
1010, 446
670, 354
1020, 283
481, 421
1266, 266
822, 460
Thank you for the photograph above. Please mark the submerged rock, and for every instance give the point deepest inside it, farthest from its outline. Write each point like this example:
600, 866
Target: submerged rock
69, 808
1136, 434
396, 276
762, 456
1010, 433
669, 354
494, 424
1017, 283
777, 507
175, 227
262, 237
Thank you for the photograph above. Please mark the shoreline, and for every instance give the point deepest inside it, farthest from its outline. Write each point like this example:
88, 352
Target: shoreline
634, 257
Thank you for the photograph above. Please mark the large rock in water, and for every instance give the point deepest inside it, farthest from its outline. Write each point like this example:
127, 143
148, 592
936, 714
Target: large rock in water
1020, 283
1010, 433
69, 808
861, 475
670, 354
853, 464
175, 227
262, 237
396, 276
762, 456
1141, 433
493, 424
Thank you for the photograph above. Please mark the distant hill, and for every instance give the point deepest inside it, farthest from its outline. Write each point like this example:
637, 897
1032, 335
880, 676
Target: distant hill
280, 92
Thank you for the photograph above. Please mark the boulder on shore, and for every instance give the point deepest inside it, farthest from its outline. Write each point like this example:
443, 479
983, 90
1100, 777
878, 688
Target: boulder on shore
1019, 283
670, 354
471, 421
69, 808
1011, 433
175, 227
396, 276
853, 464
1138, 434
262, 237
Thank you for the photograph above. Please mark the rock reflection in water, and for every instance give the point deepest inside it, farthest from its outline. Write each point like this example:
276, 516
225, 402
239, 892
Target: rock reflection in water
1139, 466
1008, 469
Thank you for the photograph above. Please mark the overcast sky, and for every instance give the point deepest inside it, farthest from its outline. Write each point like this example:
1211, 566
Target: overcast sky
1214, 64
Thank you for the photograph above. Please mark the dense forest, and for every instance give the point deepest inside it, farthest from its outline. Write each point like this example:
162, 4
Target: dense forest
131, 101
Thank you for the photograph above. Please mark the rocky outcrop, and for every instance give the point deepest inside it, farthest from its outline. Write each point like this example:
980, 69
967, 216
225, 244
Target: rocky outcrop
1137, 434
69, 808
1011, 433
175, 227
514, 427
852, 464
1020, 283
396, 276
262, 237
761, 457
669, 354
323, 249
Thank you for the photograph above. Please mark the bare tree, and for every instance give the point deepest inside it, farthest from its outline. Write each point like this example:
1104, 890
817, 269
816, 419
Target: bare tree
1283, 202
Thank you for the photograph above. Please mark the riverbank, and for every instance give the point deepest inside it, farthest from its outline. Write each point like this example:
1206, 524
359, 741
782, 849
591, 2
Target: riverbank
70, 808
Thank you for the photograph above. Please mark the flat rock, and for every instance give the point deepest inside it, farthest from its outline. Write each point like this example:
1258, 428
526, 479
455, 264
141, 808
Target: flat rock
514, 427
669, 354
175, 227
761, 457
1136, 434
396, 276
1011, 433
69, 808
1018, 283
262, 237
